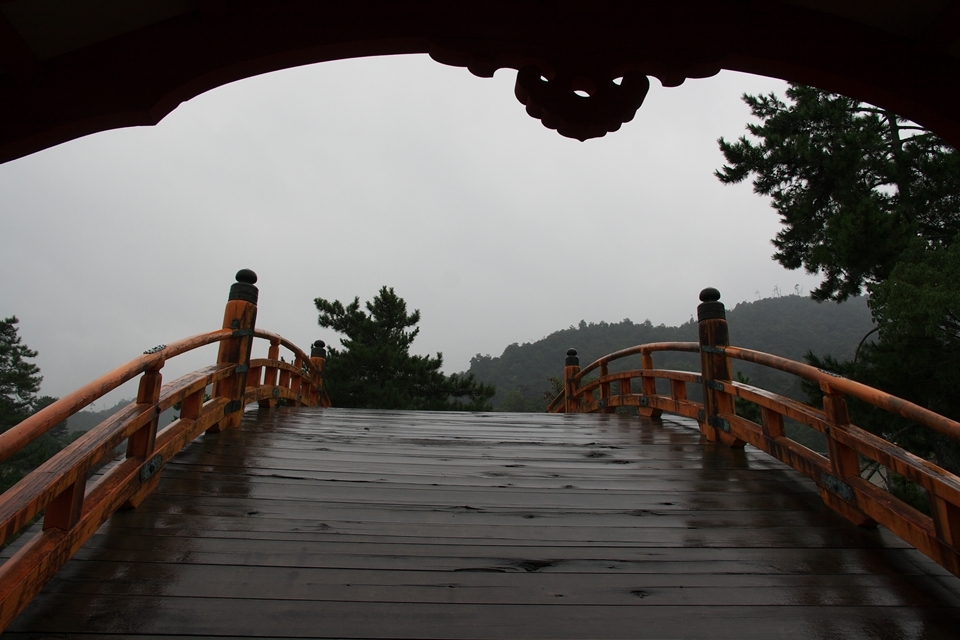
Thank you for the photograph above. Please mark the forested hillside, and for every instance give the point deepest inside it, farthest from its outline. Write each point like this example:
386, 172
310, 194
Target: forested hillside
788, 326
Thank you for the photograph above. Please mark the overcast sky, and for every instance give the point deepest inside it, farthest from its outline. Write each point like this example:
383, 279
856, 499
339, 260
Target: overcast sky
335, 179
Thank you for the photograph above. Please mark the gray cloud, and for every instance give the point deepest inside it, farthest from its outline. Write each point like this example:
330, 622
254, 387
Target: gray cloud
332, 180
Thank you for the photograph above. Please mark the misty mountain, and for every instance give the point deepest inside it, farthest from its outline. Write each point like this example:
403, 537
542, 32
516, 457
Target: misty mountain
83, 421
787, 326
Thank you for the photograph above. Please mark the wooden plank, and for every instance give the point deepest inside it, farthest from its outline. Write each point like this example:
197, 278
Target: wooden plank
328, 523
216, 616
621, 525
484, 587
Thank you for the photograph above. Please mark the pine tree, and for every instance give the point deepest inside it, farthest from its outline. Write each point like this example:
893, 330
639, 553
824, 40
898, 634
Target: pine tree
872, 203
19, 385
375, 369
855, 186
19, 379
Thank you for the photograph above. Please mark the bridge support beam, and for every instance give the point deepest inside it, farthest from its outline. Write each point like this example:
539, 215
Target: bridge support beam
240, 315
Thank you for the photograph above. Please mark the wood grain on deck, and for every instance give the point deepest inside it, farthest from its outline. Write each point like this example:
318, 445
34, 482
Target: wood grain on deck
347, 523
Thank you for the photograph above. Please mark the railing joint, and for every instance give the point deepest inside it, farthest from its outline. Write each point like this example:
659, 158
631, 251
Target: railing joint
150, 467
835, 485
719, 423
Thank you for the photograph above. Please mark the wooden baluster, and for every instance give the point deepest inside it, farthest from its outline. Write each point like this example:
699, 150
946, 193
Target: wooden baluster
308, 392
571, 403
142, 443
270, 373
295, 377
241, 316
626, 387
191, 405
714, 368
605, 390
649, 386
678, 390
254, 375
844, 461
318, 356
771, 423
946, 522
63, 512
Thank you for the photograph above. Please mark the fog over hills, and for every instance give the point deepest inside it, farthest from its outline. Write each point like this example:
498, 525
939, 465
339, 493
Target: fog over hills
787, 326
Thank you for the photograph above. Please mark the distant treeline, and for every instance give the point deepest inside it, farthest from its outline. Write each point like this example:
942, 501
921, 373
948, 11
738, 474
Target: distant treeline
83, 421
788, 326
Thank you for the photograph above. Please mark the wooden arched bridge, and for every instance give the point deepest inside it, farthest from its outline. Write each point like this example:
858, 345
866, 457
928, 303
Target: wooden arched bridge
323, 522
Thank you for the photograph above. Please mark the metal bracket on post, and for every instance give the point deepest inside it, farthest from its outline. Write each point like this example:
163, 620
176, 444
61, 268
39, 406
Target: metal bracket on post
150, 467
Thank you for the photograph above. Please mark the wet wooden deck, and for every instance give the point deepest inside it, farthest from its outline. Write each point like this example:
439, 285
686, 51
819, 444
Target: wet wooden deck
339, 523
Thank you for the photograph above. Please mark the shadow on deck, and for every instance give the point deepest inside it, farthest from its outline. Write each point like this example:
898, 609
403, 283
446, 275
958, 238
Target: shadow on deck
346, 523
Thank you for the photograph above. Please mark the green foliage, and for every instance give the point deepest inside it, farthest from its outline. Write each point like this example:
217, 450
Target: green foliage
922, 294
744, 408
854, 185
19, 379
873, 203
19, 384
375, 369
910, 492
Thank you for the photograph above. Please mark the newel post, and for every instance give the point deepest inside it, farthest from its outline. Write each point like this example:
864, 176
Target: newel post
318, 357
714, 368
241, 316
570, 384
271, 373
649, 387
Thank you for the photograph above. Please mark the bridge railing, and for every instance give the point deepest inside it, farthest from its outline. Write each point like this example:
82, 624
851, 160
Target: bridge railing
73, 508
851, 451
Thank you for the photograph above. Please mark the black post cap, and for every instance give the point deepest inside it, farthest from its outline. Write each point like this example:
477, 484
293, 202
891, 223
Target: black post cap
710, 307
318, 350
243, 288
572, 359
246, 276
709, 295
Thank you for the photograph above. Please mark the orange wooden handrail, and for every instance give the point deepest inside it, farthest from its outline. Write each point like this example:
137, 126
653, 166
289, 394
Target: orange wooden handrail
877, 398
36, 425
838, 474
74, 511
652, 347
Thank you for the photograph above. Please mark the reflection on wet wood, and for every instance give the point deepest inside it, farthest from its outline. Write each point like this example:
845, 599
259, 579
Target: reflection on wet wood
320, 523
